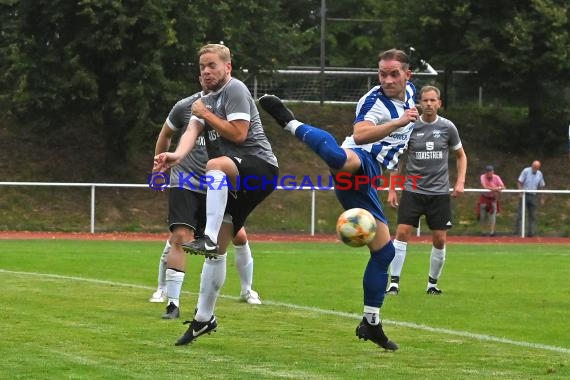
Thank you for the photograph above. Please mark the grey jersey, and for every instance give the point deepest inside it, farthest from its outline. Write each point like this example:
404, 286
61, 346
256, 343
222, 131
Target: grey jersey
234, 102
427, 155
194, 164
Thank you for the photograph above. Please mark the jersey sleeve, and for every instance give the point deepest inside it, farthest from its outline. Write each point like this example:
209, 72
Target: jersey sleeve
175, 119
237, 105
454, 140
369, 108
411, 93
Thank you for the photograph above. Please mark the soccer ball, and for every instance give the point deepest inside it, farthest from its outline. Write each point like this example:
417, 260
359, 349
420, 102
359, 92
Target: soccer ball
356, 227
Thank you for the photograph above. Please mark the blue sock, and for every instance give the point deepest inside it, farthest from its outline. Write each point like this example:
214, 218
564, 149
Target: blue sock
323, 144
376, 275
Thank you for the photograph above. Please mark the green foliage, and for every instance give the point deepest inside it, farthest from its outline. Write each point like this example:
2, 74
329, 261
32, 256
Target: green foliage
119, 66
520, 52
110, 70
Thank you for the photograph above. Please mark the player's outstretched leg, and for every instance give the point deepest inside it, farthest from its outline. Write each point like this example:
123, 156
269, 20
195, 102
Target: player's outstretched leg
321, 142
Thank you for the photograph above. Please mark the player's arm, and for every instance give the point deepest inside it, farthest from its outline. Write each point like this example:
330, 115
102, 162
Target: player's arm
164, 139
365, 131
395, 176
461, 163
397, 181
235, 130
187, 141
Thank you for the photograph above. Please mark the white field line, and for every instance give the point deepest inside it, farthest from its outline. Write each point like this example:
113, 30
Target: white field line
438, 330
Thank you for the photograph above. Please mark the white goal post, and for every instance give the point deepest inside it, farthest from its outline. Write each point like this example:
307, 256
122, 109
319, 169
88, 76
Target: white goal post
341, 85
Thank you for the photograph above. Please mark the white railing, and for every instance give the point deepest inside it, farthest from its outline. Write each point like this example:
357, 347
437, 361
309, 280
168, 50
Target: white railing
313, 191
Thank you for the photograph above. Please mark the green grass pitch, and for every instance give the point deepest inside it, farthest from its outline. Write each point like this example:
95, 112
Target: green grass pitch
80, 310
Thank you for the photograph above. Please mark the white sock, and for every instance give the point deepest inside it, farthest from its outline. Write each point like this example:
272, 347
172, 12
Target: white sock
292, 126
174, 280
216, 200
436, 261
211, 281
162, 267
244, 265
372, 314
399, 258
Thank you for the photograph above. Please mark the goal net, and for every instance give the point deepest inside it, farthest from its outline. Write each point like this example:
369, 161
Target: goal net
332, 85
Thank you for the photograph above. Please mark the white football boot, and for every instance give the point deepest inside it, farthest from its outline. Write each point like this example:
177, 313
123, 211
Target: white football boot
251, 297
158, 296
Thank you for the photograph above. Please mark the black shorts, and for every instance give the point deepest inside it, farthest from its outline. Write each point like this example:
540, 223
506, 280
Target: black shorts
188, 208
436, 208
258, 179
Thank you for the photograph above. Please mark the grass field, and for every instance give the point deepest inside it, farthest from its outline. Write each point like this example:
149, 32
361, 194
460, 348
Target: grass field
79, 310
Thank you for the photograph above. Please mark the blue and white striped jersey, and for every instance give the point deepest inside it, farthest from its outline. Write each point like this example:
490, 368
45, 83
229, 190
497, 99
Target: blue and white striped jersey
377, 108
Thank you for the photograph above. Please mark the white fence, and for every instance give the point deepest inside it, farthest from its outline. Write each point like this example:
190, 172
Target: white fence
313, 191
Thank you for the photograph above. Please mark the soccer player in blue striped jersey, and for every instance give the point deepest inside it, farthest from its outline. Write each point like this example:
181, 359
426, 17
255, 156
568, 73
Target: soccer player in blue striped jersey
381, 129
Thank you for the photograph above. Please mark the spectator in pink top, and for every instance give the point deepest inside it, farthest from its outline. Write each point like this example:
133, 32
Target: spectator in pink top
488, 205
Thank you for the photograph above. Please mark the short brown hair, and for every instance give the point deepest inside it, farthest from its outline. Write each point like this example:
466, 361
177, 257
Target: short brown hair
221, 50
430, 88
397, 55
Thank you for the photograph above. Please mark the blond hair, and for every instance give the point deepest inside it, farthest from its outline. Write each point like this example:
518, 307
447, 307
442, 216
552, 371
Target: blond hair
221, 50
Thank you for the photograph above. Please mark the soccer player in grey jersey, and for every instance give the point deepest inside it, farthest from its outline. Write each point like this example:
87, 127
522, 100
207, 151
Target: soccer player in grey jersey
427, 158
187, 217
247, 165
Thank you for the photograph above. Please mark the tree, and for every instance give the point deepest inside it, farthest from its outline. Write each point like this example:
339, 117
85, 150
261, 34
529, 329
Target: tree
537, 54
117, 66
88, 62
520, 50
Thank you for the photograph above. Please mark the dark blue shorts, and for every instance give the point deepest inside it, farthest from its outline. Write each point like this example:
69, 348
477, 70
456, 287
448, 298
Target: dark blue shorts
364, 195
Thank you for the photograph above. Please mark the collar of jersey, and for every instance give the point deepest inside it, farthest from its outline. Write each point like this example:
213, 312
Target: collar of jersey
214, 93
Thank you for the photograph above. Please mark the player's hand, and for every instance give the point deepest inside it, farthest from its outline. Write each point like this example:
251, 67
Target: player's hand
163, 161
393, 198
410, 115
199, 109
458, 190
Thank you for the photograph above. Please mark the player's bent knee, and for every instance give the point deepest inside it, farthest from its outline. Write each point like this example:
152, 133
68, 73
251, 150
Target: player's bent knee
182, 235
403, 232
240, 238
223, 163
